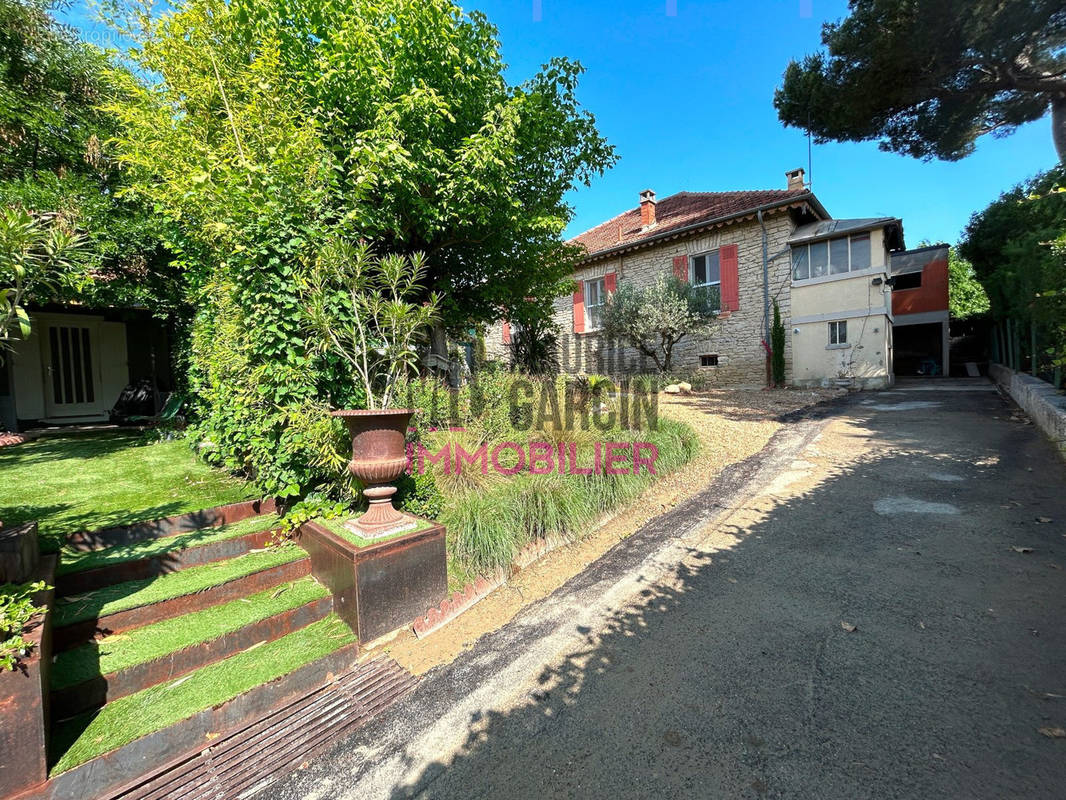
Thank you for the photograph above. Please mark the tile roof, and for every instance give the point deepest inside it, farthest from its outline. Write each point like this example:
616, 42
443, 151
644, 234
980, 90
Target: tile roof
679, 211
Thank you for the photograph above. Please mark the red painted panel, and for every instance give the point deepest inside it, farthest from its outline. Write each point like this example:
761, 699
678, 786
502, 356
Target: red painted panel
579, 308
932, 295
681, 267
728, 260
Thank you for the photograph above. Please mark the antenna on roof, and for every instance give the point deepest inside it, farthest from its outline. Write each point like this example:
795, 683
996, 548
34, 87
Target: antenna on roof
810, 165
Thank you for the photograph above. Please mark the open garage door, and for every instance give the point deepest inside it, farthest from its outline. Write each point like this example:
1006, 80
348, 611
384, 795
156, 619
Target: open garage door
918, 350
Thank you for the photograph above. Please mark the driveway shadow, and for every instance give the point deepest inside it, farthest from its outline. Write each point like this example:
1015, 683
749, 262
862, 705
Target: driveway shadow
736, 678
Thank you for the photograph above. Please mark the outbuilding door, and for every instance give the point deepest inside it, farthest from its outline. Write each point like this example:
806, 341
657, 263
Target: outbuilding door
70, 353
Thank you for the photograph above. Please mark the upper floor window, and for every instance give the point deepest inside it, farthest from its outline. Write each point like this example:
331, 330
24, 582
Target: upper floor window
831, 257
595, 299
908, 280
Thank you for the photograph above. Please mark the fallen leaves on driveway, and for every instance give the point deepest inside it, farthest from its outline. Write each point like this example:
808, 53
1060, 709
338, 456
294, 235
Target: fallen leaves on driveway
1043, 520
1053, 733
1018, 549
848, 626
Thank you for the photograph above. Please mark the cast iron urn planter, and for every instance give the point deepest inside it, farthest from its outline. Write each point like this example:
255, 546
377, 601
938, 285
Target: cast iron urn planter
379, 457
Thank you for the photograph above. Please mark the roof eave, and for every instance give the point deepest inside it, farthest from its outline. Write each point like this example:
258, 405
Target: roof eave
807, 198
884, 222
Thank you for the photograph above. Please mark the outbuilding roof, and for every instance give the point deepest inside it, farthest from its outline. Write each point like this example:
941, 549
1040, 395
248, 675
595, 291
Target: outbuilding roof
829, 228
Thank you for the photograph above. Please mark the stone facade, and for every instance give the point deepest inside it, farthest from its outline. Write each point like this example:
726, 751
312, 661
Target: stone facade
737, 341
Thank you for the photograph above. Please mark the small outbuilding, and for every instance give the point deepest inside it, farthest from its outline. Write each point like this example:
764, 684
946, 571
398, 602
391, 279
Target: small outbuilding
920, 313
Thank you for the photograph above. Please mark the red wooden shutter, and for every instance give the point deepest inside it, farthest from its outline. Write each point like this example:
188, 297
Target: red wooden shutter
610, 282
728, 264
507, 333
579, 308
681, 268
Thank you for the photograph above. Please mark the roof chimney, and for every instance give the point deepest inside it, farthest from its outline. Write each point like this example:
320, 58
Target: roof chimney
647, 208
795, 178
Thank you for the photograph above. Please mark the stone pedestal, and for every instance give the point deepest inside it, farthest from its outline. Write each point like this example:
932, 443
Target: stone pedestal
382, 586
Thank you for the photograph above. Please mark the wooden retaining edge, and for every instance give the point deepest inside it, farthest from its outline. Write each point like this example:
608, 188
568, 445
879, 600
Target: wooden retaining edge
246, 742
168, 526
90, 579
472, 593
72, 700
78, 633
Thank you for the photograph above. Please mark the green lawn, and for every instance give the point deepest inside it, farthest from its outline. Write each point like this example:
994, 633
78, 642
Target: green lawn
337, 526
74, 483
75, 561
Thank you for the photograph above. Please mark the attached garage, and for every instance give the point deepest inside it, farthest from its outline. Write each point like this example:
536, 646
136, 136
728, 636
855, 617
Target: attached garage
920, 318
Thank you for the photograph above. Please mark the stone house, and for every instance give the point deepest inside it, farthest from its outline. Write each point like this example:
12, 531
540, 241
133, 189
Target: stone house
757, 248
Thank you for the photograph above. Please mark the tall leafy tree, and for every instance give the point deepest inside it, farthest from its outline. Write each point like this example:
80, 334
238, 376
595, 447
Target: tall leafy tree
1017, 246
54, 159
928, 77
966, 296
271, 127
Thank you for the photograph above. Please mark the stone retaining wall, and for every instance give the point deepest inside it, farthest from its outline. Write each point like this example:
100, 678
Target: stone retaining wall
1039, 399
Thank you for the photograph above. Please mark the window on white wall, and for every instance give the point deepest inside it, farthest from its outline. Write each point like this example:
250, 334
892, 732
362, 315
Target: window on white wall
595, 298
833, 257
819, 259
838, 332
838, 256
801, 263
860, 251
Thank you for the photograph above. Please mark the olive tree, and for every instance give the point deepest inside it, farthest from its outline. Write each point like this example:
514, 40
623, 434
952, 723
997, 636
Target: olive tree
655, 318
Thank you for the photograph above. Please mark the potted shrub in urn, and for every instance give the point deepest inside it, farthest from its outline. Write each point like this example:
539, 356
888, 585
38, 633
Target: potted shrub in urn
369, 313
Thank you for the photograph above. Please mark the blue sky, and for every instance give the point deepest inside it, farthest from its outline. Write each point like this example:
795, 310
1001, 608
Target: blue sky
687, 101
684, 91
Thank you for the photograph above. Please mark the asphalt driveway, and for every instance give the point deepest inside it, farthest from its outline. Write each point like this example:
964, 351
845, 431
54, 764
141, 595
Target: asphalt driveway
872, 608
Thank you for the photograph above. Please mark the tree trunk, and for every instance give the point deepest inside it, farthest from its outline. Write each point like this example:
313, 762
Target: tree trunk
438, 341
1058, 125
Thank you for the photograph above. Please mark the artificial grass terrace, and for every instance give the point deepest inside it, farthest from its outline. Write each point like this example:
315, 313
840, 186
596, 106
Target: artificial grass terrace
87, 736
91, 481
74, 561
133, 594
141, 645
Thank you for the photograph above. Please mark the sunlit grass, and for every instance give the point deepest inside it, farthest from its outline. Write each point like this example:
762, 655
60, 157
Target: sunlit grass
74, 483
124, 650
73, 561
133, 594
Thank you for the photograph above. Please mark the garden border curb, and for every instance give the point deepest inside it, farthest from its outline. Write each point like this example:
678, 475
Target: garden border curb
1044, 404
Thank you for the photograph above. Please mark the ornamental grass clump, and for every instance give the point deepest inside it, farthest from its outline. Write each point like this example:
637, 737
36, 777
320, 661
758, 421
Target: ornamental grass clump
507, 487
